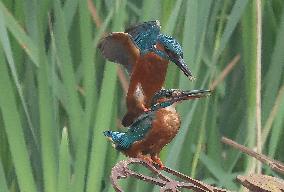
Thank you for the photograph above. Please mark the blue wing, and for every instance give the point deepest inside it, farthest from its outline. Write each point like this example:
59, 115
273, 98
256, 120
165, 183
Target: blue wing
136, 132
145, 35
140, 127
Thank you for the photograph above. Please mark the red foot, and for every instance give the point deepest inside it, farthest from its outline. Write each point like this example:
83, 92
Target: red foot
152, 160
145, 109
158, 161
146, 158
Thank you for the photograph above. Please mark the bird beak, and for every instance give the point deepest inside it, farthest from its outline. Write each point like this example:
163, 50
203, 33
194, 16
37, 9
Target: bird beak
183, 66
193, 94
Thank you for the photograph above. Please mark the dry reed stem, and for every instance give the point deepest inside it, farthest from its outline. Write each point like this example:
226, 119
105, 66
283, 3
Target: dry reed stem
258, 81
225, 72
94, 13
122, 79
275, 165
122, 171
121, 76
272, 115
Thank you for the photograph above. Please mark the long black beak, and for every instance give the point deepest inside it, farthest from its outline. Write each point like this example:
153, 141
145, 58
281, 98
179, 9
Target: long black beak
192, 94
175, 95
183, 66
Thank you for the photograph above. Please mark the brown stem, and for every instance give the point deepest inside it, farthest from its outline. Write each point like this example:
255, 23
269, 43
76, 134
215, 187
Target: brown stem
275, 165
121, 170
225, 72
94, 13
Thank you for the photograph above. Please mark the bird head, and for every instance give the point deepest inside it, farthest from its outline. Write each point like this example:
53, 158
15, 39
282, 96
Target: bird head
167, 97
168, 48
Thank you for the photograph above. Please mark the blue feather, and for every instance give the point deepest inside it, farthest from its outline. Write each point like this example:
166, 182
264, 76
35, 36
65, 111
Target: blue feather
136, 132
170, 44
146, 36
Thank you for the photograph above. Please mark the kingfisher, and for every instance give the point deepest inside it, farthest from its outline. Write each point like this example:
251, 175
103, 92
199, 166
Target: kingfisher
145, 53
154, 128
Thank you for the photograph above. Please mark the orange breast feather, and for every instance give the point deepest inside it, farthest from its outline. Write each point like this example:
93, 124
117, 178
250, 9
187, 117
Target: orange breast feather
148, 75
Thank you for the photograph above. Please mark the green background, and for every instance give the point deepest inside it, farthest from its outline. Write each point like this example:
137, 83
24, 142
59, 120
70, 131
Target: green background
57, 94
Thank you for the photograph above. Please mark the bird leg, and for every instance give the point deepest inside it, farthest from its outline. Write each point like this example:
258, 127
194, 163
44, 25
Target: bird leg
145, 158
145, 109
157, 160
153, 159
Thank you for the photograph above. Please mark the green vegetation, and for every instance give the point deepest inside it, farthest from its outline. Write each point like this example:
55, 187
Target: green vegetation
57, 94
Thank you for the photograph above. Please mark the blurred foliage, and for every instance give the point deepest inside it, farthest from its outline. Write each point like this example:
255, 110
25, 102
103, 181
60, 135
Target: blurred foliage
58, 94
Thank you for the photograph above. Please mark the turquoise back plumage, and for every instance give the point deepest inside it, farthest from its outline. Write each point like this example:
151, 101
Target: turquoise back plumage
136, 132
146, 35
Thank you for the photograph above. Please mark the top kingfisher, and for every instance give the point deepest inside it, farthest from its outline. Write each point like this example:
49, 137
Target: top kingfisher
145, 52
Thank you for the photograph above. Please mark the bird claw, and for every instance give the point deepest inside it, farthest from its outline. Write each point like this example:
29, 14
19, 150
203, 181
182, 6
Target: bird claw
145, 109
153, 160
146, 158
158, 161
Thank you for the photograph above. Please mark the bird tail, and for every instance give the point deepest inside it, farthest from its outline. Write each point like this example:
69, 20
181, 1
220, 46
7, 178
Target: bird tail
114, 136
119, 139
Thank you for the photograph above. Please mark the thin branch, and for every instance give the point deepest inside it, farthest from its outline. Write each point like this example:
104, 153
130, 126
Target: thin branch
122, 79
225, 72
272, 115
94, 13
258, 81
122, 171
81, 90
275, 165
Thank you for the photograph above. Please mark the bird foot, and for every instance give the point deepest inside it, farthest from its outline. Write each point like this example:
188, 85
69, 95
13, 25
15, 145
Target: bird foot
145, 109
158, 161
146, 158
153, 160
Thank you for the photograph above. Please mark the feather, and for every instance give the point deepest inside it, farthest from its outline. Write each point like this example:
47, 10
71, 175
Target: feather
118, 47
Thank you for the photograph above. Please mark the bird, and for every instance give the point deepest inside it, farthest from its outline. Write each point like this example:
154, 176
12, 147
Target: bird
154, 128
145, 53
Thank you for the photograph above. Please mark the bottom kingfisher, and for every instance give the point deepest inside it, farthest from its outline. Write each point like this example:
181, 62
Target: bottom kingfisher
155, 128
